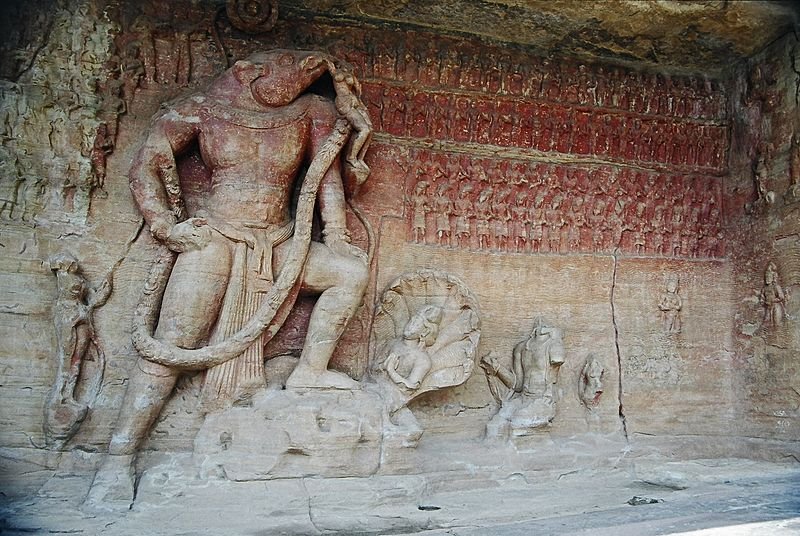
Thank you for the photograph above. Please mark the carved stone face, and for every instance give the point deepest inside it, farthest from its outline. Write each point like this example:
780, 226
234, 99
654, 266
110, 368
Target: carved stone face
278, 77
423, 326
769, 275
592, 383
672, 286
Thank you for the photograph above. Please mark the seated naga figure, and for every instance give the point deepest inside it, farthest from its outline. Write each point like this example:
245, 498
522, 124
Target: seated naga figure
211, 298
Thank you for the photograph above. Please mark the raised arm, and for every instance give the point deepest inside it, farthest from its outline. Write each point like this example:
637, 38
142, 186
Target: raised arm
153, 177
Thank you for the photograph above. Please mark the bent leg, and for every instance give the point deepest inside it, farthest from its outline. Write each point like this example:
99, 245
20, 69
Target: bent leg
188, 313
342, 280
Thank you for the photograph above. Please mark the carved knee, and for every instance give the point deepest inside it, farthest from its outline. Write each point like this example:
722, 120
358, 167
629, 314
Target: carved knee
356, 278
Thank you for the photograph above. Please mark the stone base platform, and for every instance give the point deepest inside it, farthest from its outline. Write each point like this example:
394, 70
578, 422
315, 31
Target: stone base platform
296, 433
730, 496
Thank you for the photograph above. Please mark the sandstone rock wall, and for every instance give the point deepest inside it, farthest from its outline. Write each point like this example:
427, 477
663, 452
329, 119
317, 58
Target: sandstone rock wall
552, 187
765, 157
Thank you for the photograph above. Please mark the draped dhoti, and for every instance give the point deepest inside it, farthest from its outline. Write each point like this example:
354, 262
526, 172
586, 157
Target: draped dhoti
250, 279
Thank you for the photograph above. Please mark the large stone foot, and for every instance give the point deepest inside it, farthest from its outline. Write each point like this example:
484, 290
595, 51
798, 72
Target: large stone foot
112, 487
304, 377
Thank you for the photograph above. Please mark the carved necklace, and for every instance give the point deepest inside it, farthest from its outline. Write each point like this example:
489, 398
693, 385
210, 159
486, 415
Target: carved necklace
265, 120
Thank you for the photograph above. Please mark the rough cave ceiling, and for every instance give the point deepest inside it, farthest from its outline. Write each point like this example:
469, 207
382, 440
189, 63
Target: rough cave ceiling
701, 36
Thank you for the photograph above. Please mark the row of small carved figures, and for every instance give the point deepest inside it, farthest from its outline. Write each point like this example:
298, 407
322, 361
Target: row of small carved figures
593, 85
705, 241
574, 187
459, 171
575, 207
548, 129
563, 81
636, 217
154, 57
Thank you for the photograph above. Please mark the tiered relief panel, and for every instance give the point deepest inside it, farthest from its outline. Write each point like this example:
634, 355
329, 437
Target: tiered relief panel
524, 177
548, 187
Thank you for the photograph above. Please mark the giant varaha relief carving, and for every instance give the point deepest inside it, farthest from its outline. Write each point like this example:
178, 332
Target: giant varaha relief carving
263, 242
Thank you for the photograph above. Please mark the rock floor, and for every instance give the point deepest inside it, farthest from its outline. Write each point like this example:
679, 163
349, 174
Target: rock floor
701, 497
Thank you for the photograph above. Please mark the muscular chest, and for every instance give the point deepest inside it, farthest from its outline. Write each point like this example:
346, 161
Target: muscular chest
225, 145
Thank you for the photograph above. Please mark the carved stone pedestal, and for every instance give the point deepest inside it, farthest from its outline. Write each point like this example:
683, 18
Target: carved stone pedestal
293, 433
521, 417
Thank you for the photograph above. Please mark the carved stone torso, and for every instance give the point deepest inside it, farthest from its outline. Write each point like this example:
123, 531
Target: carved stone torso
539, 359
253, 157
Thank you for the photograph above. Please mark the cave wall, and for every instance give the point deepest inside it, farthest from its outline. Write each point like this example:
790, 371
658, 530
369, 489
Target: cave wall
763, 206
630, 175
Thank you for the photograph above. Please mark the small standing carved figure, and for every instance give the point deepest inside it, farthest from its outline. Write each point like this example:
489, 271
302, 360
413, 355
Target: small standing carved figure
764, 196
670, 306
519, 221
526, 392
444, 208
590, 383
348, 103
773, 298
419, 209
463, 212
77, 343
501, 218
793, 194
483, 210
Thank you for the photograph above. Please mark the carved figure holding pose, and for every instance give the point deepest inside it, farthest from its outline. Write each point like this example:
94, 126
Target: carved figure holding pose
256, 127
408, 362
426, 330
590, 382
420, 206
76, 343
444, 209
526, 392
349, 103
670, 306
773, 297
462, 208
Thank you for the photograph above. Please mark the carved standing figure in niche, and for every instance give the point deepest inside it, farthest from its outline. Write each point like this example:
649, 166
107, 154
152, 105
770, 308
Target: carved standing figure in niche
519, 221
146, 50
463, 212
670, 306
257, 126
426, 334
773, 298
590, 382
444, 208
793, 194
419, 210
526, 392
484, 213
77, 381
764, 196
